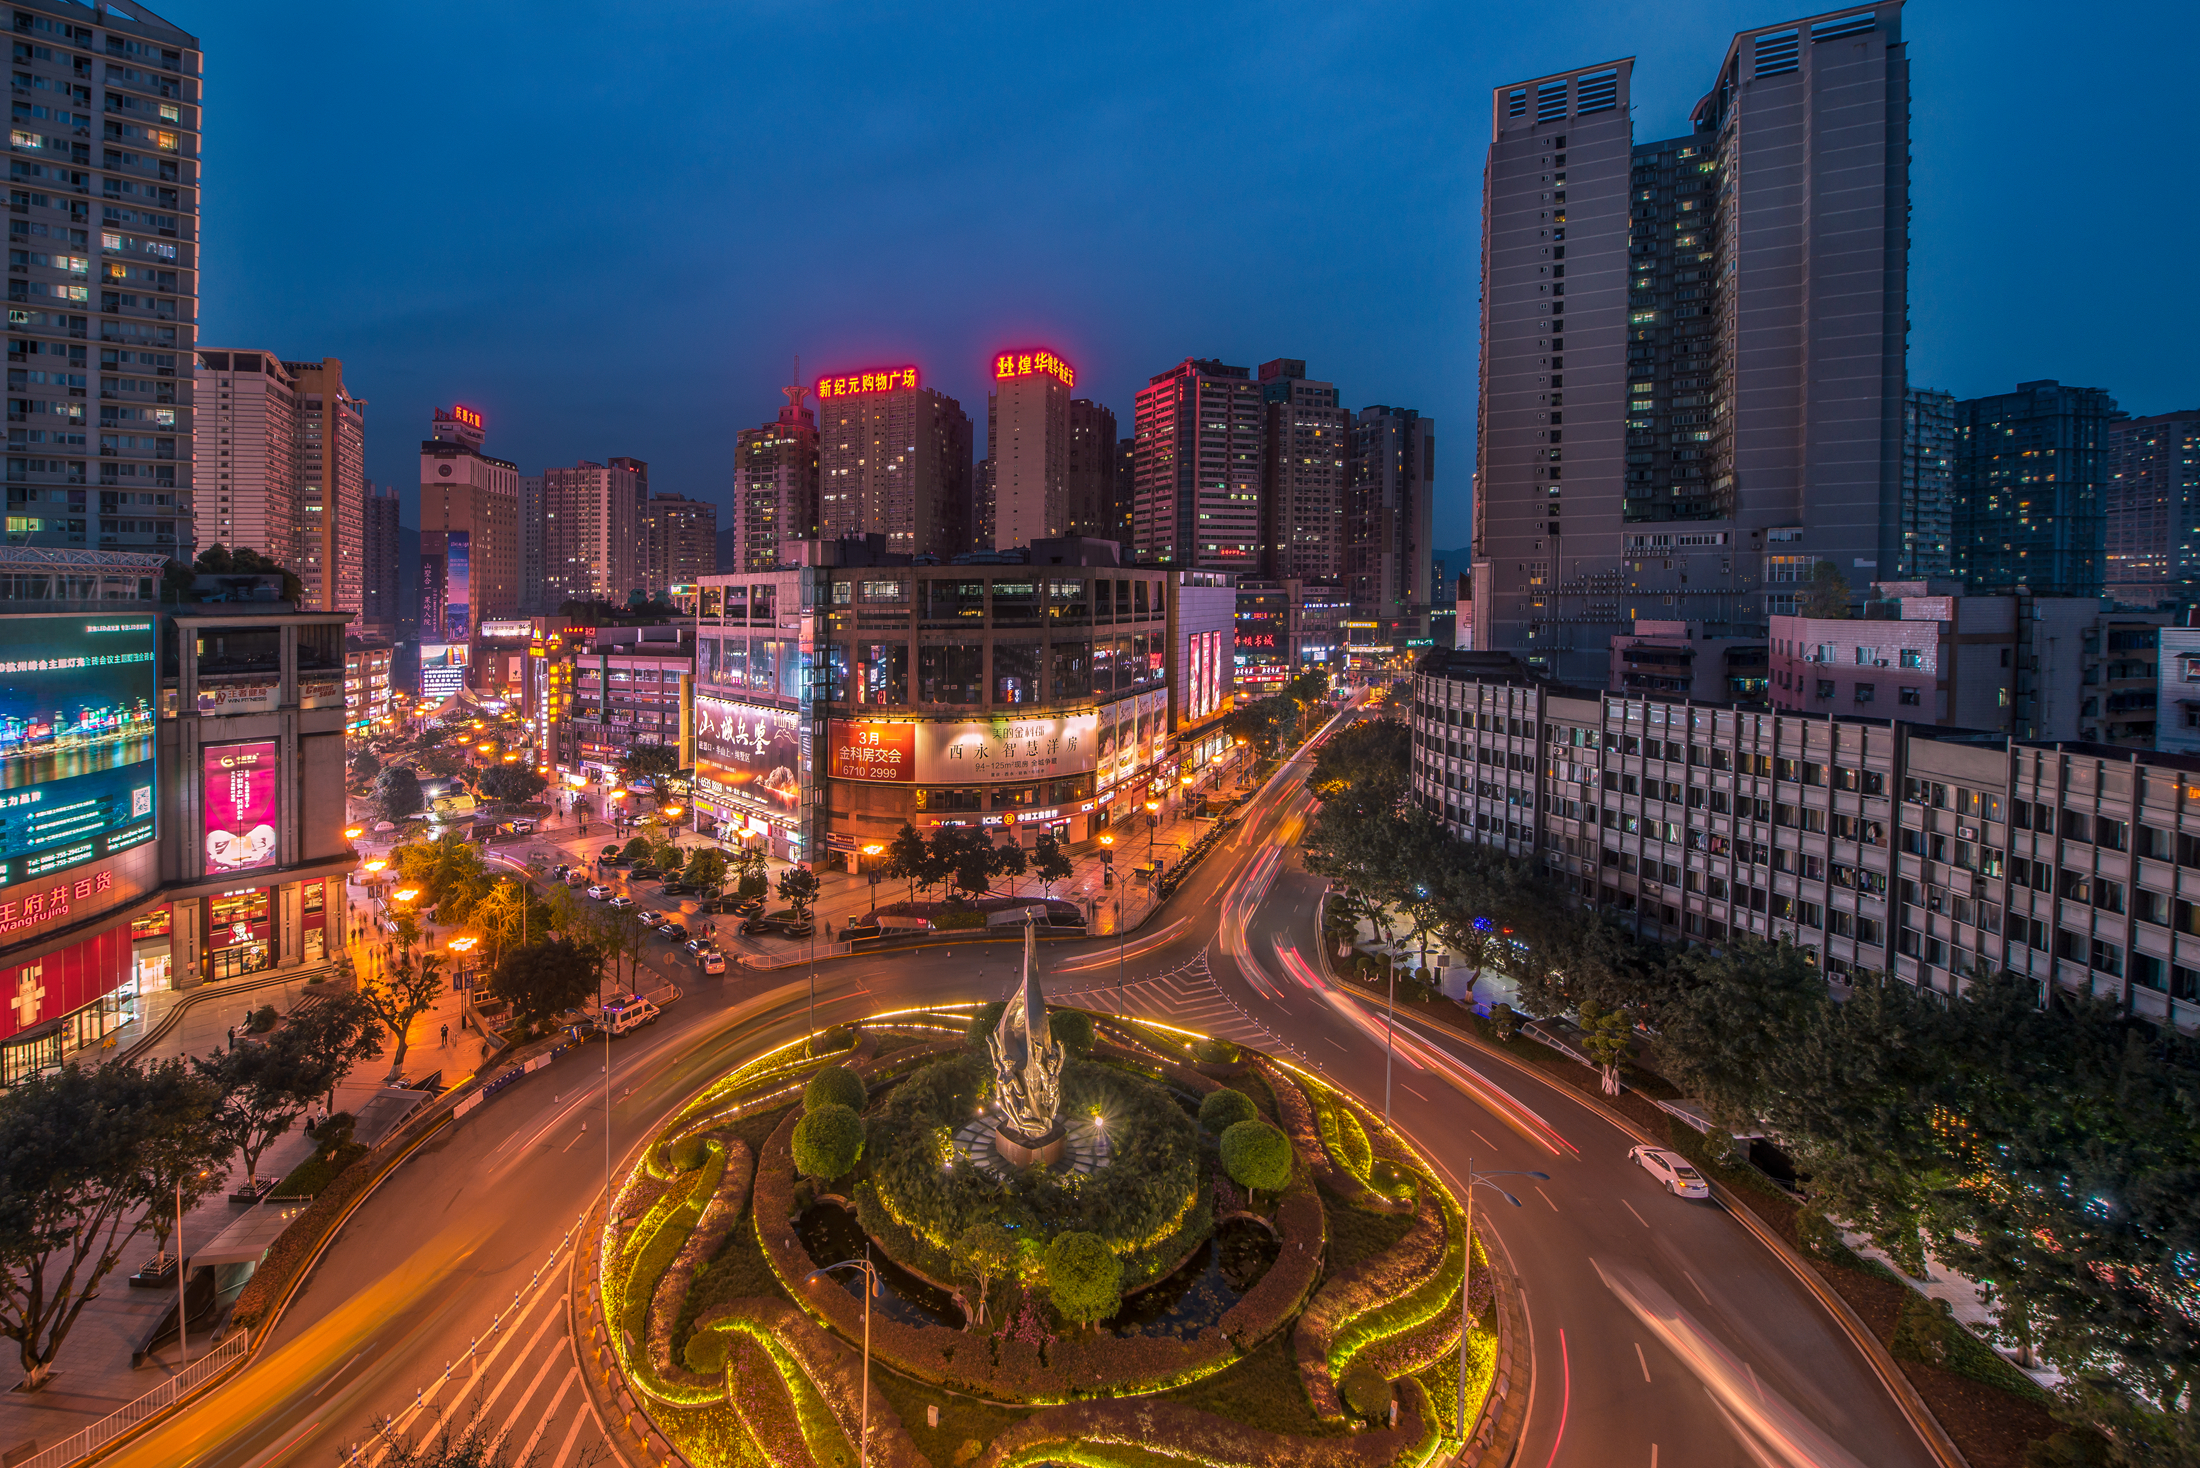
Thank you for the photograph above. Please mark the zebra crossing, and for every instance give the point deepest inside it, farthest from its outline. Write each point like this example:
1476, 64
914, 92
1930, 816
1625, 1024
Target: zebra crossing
1187, 997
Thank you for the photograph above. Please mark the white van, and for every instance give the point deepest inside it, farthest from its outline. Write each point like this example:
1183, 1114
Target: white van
624, 1012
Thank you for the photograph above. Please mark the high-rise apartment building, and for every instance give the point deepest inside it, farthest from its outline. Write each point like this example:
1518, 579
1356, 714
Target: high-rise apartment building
530, 545
2154, 508
1928, 484
1027, 441
1122, 511
379, 574
331, 441
775, 484
679, 541
983, 506
1091, 468
247, 458
1692, 350
592, 536
1389, 508
893, 460
104, 259
2031, 490
1199, 427
1303, 473
469, 531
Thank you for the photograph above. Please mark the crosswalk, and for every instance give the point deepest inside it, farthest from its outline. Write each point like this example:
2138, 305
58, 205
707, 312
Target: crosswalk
521, 1387
1187, 997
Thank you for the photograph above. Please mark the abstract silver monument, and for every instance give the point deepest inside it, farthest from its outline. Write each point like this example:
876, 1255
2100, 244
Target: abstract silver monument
1027, 1073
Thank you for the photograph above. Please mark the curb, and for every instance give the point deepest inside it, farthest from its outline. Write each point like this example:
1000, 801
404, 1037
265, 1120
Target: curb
1503, 1414
1920, 1416
632, 1436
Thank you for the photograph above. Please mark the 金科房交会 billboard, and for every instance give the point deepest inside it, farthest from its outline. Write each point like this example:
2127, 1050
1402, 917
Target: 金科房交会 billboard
965, 751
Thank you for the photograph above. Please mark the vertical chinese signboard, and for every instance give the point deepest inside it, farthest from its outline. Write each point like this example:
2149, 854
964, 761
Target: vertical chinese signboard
239, 800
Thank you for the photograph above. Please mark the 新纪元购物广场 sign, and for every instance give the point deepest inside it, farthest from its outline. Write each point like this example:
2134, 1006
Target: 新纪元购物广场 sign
964, 751
751, 753
77, 737
893, 379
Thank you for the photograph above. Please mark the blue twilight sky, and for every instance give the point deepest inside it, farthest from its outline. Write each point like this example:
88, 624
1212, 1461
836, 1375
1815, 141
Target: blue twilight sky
613, 228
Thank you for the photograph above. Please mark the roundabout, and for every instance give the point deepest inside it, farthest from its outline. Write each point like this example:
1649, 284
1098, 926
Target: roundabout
831, 1254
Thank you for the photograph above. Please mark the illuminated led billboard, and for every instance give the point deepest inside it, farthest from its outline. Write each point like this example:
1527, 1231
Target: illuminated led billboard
442, 668
1010, 365
239, 798
892, 379
750, 752
76, 740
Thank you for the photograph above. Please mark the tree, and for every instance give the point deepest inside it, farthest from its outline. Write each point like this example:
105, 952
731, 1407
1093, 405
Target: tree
753, 886
648, 761
624, 939
403, 992
1828, 593
266, 1086
502, 915
828, 1142
1084, 1277
798, 889
85, 1156
1009, 861
1225, 1108
219, 560
985, 1252
636, 851
1728, 1015
515, 783
1049, 863
1606, 1036
1256, 1156
365, 765
1071, 1028
540, 978
835, 1085
706, 870
907, 857
397, 793
1371, 760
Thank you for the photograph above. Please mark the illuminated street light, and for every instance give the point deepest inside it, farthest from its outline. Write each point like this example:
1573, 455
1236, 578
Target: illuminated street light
462, 945
406, 894
353, 833
377, 865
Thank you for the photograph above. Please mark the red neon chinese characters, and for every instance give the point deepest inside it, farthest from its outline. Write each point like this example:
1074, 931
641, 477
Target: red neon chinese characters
893, 379
1022, 364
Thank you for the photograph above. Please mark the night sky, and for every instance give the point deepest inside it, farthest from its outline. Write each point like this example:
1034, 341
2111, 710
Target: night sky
613, 229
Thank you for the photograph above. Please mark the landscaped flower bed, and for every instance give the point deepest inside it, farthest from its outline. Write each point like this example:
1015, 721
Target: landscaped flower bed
769, 1370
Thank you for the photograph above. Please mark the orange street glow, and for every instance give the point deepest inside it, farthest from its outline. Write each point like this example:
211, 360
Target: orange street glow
894, 379
1023, 364
463, 945
406, 894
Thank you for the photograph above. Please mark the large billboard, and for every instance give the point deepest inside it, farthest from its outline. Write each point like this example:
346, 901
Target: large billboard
965, 752
752, 751
239, 799
77, 737
442, 668
458, 596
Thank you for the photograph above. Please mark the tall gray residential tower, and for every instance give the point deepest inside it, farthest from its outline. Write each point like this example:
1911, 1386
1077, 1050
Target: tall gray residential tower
1692, 350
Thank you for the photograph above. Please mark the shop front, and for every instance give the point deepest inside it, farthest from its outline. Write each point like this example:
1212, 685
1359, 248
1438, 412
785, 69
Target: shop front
240, 932
65, 1001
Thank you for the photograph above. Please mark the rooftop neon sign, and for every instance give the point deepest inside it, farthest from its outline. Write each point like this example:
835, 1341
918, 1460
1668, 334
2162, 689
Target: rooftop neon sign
1007, 365
895, 379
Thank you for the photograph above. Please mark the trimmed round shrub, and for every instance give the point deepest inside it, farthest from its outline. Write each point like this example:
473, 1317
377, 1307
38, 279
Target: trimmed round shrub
1257, 1156
835, 1085
827, 1142
1071, 1028
1225, 1108
982, 1023
1366, 1393
688, 1153
1217, 1052
1084, 1277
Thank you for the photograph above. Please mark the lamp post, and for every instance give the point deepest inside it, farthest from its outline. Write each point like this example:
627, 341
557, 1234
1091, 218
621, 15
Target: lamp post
1390, 1017
871, 1289
1466, 1268
1107, 868
870, 869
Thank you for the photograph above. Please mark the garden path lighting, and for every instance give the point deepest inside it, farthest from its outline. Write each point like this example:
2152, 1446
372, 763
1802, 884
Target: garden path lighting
873, 1287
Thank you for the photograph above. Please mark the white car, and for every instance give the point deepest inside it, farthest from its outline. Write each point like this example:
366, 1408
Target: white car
711, 961
1675, 1172
624, 1012
599, 891
622, 902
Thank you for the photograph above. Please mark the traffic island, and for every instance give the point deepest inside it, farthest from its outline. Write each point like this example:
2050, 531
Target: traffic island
1251, 1269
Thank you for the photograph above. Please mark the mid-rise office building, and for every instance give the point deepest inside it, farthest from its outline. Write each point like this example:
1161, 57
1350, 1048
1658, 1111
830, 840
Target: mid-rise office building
2153, 534
630, 687
982, 506
679, 542
367, 709
248, 459
1200, 428
1286, 625
1389, 509
469, 538
775, 484
1692, 349
1928, 484
894, 460
331, 440
1676, 659
1091, 469
1304, 469
1027, 444
2177, 658
103, 258
379, 568
2032, 477
1875, 845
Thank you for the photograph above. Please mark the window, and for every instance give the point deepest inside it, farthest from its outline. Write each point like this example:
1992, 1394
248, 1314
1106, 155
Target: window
2074, 826
2149, 972
1912, 658
2114, 835
1907, 697
2107, 957
2154, 907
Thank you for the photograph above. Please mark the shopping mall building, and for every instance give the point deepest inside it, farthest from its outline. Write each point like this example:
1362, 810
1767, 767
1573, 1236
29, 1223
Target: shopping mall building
171, 795
838, 698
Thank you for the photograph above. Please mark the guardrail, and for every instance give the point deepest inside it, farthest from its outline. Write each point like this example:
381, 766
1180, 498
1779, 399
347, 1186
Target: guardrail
226, 1354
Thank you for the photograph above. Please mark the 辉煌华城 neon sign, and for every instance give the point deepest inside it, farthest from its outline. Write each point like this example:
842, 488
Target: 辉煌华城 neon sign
1023, 364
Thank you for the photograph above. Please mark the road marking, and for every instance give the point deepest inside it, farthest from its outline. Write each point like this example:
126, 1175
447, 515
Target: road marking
1546, 1197
569, 1146
1653, 1455
1566, 1398
1485, 1141
1754, 1384
527, 1453
549, 1318
1699, 1288
339, 1371
1409, 1088
1332, 1041
572, 1432
1638, 1356
1631, 1209
276, 1453
527, 1396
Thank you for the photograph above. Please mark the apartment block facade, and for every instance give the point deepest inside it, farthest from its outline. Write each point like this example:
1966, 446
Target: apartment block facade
2032, 478
380, 572
1692, 349
1091, 469
248, 459
331, 440
1389, 506
775, 484
103, 257
1200, 428
2153, 538
1027, 446
1876, 845
1928, 484
1307, 438
894, 459
679, 542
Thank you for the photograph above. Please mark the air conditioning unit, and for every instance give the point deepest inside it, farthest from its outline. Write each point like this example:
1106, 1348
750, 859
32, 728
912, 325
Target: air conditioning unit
1967, 833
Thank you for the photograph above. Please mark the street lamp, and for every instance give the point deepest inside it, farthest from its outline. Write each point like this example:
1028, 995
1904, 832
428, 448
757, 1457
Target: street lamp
870, 869
406, 894
872, 1288
1466, 1267
1107, 873
353, 833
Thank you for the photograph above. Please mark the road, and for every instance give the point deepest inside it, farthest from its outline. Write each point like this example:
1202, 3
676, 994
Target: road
461, 1235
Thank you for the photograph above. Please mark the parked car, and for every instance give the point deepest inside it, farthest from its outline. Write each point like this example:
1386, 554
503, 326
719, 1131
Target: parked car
1675, 1172
676, 931
782, 922
622, 902
576, 878
701, 943
677, 889
598, 891
561, 869
642, 869
625, 1012
711, 961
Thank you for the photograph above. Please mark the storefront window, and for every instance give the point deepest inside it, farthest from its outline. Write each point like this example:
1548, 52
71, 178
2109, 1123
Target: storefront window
238, 933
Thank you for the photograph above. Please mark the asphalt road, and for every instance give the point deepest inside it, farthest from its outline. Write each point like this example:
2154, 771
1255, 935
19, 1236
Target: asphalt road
454, 1246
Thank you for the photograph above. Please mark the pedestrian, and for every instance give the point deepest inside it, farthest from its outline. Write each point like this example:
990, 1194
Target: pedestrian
232, 1037
446, 1037
309, 1123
